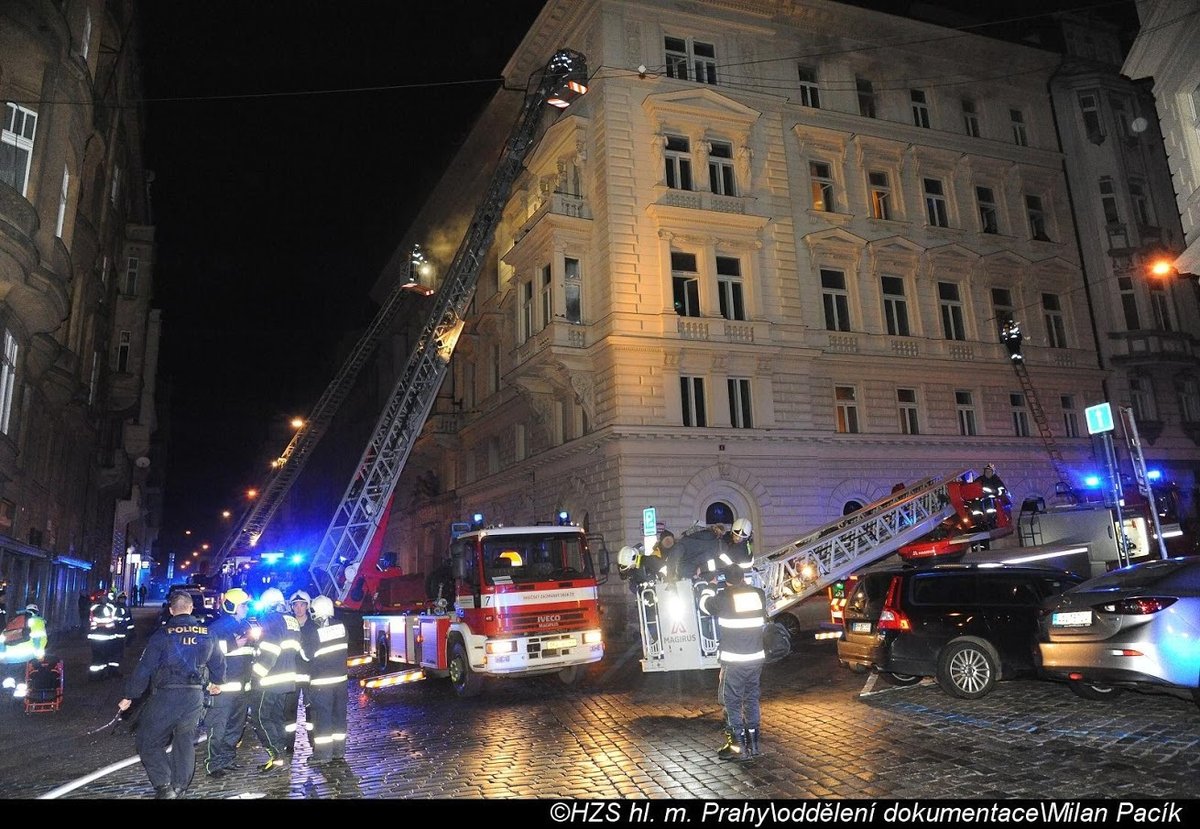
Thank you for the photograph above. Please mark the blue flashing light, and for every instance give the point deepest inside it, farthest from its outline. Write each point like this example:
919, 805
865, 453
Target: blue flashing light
271, 558
477, 518
297, 559
1154, 474
1091, 481
563, 517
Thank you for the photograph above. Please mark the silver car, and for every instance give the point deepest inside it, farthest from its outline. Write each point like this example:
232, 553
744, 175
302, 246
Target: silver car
1137, 627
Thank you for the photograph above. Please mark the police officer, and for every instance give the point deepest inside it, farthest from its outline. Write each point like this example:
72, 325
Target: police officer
227, 717
180, 661
106, 634
273, 697
741, 616
327, 695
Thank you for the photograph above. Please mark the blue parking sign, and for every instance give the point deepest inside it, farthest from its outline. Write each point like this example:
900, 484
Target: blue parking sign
649, 521
1099, 418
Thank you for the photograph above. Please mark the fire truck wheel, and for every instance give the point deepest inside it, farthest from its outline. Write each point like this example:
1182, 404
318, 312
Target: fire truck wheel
569, 675
466, 682
382, 652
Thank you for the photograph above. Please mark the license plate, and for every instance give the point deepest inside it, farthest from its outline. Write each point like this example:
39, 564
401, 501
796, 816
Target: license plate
860, 627
1074, 619
559, 644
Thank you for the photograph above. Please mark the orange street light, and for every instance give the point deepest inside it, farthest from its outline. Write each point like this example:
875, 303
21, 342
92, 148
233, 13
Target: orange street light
252, 493
224, 514
203, 546
187, 532
297, 423
195, 553
1162, 267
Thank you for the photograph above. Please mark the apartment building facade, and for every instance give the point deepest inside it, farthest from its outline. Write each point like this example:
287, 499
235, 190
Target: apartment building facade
78, 487
759, 271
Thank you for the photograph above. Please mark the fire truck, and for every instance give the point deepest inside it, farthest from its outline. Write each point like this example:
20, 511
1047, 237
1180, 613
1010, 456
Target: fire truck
519, 600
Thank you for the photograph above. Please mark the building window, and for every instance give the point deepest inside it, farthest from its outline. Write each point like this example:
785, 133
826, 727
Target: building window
810, 93
16, 146
1056, 330
691, 396
1129, 303
547, 298
85, 41
526, 326
1037, 218
1141, 204
920, 107
1020, 417
685, 284
988, 215
1189, 400
116, 185
935, 203
740, 416
123, 342
952, 311
679, 163
1070, 416
104, 271
822, 186
572, 290
895, 306
1089, 107
1003, 309
1108, 201
970, 117
906, 404
130, 284
1141, 398
846, 399
836, 300
1160, 306
720, 169
520, 442
1020, 135
62, 203
964, 404
881, 194
729, 288
866, 97
1120, 110
690, 60
8, 380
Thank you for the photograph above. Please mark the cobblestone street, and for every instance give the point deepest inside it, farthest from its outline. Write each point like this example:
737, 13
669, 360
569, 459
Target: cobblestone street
625, 734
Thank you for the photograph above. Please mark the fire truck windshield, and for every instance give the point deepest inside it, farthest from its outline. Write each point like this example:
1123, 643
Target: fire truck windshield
523, 559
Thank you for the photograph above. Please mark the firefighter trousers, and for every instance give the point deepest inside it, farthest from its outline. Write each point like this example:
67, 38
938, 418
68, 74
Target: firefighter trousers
270, 713
226, 720
741, 688
171, 718
328, 705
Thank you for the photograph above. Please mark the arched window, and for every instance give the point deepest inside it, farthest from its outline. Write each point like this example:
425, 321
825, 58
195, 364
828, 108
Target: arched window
718, 512
851, 506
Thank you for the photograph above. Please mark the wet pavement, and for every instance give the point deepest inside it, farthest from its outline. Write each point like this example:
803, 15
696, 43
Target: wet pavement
622, 733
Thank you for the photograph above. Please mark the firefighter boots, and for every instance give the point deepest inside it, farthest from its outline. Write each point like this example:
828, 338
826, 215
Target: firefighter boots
733, 749
752, 742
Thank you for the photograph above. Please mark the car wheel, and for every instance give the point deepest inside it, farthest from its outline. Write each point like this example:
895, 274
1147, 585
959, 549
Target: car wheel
382, 652
903, 680
967, 669
1092, 690
570, 675
791, 624
466, 682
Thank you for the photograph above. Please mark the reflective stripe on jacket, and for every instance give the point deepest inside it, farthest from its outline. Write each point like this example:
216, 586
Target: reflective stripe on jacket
278, 652
329, 658
741, 615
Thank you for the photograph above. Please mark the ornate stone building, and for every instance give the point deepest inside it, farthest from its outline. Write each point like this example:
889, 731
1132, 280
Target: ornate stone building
77, 491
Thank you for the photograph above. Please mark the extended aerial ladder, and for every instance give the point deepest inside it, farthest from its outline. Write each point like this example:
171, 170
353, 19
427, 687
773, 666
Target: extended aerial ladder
677, 633
362, 507
1012, 337
287, 467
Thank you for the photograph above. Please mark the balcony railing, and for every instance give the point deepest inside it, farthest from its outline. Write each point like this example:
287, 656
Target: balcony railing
557, 204
703, 200
1154, 345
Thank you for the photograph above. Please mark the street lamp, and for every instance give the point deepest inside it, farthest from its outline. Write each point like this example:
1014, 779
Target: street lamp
297, 423
224, 514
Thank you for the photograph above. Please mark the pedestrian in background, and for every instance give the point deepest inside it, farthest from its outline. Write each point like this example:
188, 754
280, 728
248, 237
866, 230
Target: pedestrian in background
181, 660
327, 692
141, 595
741, 616
226, 719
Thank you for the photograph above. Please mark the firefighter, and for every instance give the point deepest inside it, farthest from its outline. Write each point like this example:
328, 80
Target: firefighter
1011, 336
181, 660
273, 697
227, 717
993, 490
106, 633
327, 689
127, 623
741, 616
24, 640
732, 549
299, 602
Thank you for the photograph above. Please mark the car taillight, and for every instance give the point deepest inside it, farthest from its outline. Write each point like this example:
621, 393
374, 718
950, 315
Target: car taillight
891, 617
1138, 606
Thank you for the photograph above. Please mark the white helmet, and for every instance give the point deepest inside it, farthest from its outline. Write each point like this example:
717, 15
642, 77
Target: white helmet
626, 557
742, 529
271, 598
322, 607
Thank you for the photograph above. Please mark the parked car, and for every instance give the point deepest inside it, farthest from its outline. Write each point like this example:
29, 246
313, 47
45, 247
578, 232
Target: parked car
1137, 627
968, 625
204, 603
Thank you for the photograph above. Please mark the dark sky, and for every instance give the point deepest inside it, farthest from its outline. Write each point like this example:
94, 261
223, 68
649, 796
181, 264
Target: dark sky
279, 196
276, 212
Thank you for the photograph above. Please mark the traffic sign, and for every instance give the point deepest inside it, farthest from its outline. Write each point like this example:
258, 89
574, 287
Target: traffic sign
649, 521
1099, 418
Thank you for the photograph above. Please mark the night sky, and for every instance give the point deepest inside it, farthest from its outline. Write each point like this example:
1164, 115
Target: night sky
285, 178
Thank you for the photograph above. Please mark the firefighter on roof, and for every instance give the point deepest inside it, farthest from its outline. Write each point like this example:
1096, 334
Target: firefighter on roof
327, 688
227, 717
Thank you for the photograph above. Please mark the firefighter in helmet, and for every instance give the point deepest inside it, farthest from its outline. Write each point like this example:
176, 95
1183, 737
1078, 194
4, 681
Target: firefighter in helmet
326, 693
24, 640
741, 616
226, 718
732, 549
106, 634
993, 490
273, 695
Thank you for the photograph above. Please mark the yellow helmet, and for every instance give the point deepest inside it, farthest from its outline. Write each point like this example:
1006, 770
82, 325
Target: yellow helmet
233, 598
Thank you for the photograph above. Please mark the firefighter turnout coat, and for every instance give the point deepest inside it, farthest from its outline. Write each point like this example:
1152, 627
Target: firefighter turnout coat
274, 697
326, 693
227, 717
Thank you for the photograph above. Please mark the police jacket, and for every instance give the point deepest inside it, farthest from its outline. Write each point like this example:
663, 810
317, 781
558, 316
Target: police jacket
328, 664
180, 654
278, 653
239, 659
741, 615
